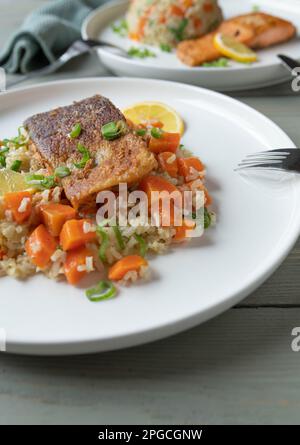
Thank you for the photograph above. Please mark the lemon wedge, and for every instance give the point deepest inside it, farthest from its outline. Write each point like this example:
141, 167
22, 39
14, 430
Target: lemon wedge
151, 112
11, 181
232, 48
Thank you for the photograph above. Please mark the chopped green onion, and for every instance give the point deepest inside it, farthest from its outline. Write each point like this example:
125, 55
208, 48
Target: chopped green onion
166, 48
4, 149
181, 147
141, 53
40, 181
113, 130
156, 133
142, 243
207, 218
103, 291
179, 32
255, 8
141, 132
222, 62
62, 172
75, 132
104, 244
2, 160
16, 165
119, 237
120, 28
85, 156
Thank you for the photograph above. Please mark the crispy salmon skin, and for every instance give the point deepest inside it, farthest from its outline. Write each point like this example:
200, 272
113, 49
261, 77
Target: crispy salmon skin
126, 159
257, 30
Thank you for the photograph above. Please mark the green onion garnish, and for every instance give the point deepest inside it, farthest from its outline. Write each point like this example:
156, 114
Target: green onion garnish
16, 165
2, 160
103, 291
207, 218
120, 28
40, 181
62, 172
141, 132
156, 133
75, 132
141, 53
104, 244
119, 237
179, 32
4, 149
85, 156
142, 243
166, 48
222, 62
113, 130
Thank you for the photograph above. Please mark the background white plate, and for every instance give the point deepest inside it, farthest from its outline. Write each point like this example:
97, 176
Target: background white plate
267, 71
258, 222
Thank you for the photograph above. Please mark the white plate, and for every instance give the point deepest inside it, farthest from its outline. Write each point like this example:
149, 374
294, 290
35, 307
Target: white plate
268, 71
258, 223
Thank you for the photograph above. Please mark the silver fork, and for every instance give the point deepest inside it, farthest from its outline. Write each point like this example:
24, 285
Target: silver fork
282, 159
76, 49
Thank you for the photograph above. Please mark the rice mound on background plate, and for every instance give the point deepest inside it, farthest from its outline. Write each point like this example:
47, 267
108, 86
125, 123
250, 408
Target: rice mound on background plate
167, 22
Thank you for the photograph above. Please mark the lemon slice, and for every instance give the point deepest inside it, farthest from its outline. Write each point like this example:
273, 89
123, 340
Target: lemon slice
151, 112
11, 181
232, 48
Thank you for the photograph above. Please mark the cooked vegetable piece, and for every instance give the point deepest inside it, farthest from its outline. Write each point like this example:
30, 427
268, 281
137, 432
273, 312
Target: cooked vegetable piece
19, 203
126, 264
167, 142
40, 246
181, 231
75, 264
154, 183
55, 215
197, 185
76, 233
142, 243
188, 167
75, 132
168, 163
103, 291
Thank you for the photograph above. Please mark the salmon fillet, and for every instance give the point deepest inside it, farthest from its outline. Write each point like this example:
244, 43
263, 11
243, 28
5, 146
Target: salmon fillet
123, 160
256, 30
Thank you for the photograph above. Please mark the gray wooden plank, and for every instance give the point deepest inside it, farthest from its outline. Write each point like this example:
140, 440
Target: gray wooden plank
238, 368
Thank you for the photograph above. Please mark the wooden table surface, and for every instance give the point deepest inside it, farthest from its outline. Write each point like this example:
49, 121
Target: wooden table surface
238, 368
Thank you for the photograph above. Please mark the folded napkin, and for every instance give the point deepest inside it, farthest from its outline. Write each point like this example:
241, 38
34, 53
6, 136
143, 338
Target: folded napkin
45, 34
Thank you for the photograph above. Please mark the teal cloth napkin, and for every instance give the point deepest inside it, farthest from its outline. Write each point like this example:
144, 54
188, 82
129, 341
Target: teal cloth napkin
45, 34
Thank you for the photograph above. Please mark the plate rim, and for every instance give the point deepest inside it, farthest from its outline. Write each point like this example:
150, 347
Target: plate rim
184, 69
142, 336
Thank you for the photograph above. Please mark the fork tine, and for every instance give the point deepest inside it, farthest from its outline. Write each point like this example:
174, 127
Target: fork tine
258, 167
260, 162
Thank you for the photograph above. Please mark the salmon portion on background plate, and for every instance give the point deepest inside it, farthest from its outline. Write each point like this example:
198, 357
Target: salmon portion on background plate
256, 30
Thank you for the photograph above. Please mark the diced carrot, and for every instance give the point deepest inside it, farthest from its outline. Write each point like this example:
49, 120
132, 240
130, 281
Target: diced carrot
55, 215
208, 7
19, 204
76, 258
168, 162
162, 19
134, 36
40, 246
2, 254
186, 167
141, 27
188, 3
151, 184
181, 231
167, 142
196, 185
126, 264
176, 10
74, 234
197, 22
157, 124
